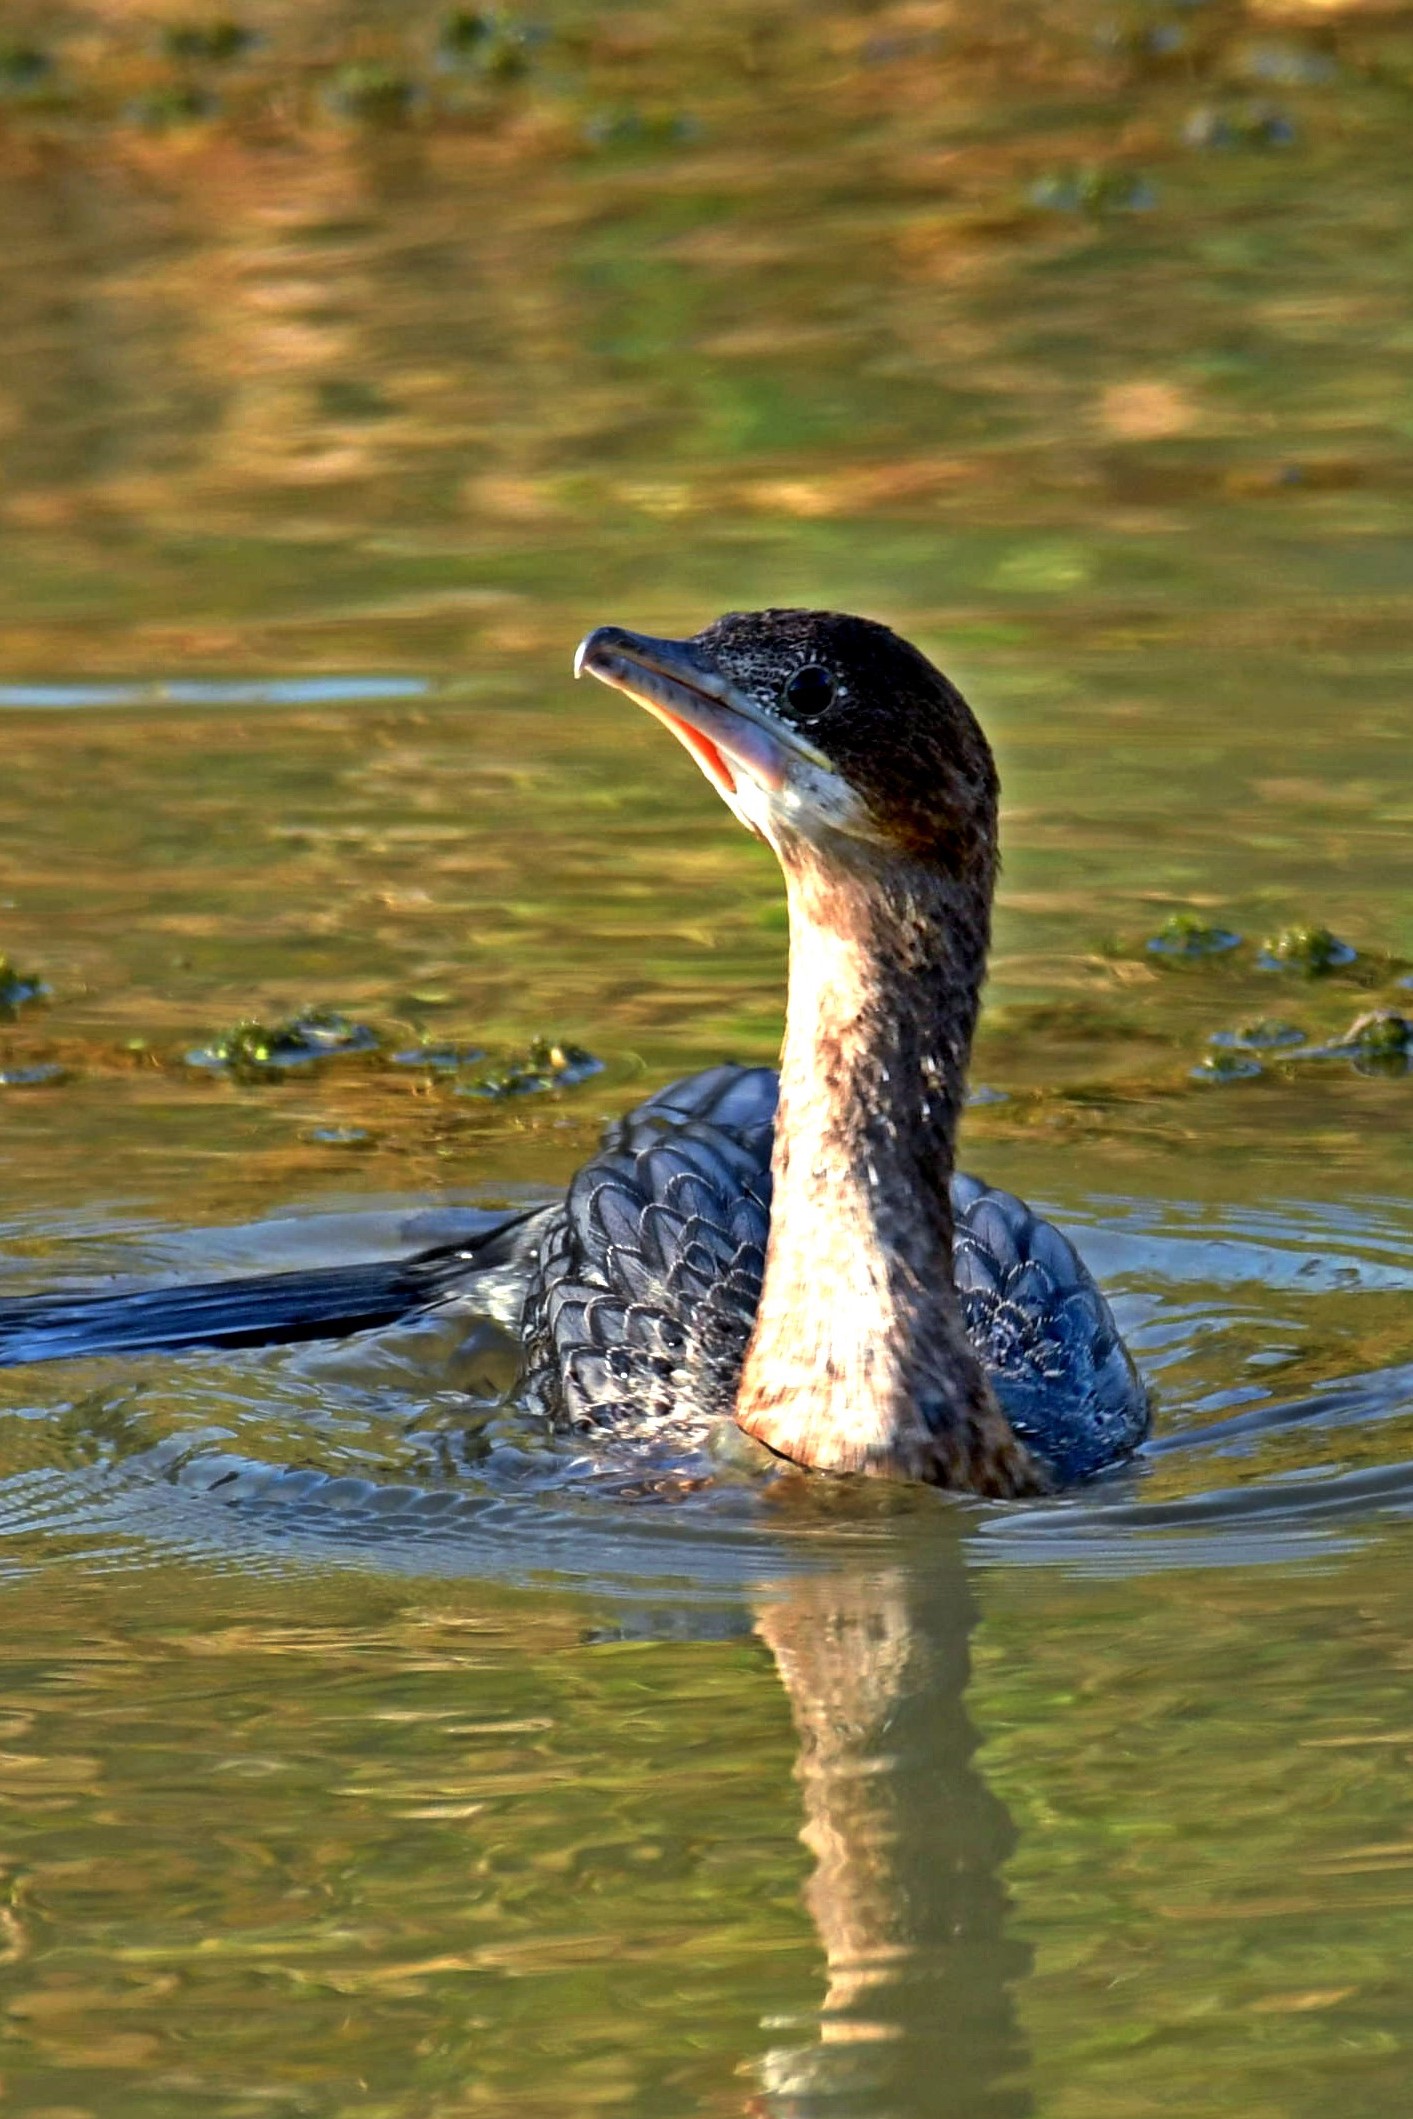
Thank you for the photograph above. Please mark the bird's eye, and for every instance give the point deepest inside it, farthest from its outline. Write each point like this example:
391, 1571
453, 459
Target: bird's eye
810, 690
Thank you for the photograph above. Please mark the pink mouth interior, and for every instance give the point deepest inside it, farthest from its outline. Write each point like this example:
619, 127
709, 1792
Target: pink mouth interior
710, 759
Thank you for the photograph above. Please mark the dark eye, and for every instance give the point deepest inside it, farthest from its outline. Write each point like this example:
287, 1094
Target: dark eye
810, 690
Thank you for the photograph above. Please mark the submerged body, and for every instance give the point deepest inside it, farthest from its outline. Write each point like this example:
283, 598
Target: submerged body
645, 1283
795, 1252
636, 1294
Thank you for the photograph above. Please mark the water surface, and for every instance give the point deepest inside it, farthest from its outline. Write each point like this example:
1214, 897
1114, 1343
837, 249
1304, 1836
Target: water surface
349, 378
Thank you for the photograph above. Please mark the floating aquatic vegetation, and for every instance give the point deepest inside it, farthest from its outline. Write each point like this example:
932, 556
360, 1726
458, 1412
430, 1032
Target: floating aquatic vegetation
344, 397
1381, 1030
213, 43
1227, 1067
178, 103
1311, 952
1243, 125
629, 129
547, 1064
1266, 1034
1378, 1042
1186, 936
485, 42
1096, 190
17, 987
257, 1050
23, 67
372, 93
465, 32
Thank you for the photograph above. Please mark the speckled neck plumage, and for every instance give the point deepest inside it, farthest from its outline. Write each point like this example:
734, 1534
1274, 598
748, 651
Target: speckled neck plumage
859, 1360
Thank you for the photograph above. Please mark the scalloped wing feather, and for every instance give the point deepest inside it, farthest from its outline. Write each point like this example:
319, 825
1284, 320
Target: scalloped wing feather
646, 1282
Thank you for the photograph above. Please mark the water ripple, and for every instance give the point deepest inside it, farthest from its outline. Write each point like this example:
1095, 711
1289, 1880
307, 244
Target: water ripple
355, 1455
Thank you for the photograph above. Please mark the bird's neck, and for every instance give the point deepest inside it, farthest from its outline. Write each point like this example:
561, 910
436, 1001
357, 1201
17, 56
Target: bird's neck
860, 1360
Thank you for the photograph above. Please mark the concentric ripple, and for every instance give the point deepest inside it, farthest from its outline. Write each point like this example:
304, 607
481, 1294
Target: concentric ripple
404, 1450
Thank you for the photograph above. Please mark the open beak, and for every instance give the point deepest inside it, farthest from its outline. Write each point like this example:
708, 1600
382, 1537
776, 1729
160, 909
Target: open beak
676, 680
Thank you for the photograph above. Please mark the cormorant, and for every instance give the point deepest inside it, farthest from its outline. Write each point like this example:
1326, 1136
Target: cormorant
799, 1252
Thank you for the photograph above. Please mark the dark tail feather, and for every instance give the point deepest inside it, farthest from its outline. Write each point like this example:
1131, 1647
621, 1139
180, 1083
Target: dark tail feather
259, 1309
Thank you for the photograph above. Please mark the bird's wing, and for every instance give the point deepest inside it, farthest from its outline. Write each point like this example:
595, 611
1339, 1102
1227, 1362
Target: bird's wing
648, 1279
1045, 1333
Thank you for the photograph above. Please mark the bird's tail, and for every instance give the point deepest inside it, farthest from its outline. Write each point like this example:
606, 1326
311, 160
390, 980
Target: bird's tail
256, 1309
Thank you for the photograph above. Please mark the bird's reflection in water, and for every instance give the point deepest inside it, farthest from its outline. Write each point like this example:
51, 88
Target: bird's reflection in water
909, 1845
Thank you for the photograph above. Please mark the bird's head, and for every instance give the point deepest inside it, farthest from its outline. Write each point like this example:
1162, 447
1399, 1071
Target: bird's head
820, 728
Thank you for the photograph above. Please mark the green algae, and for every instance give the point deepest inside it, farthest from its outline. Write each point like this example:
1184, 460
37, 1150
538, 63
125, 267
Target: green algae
213, 43
546, 1064
343, 397
1378, 1042
632, 130
465, 33
1264, 1034
1096, 190
1187, 937
17, 989
1310, 952
1223, 1067
1380, 1031
24, 67
262, 1051
174, 104
495, 46
371, 92
1243, 125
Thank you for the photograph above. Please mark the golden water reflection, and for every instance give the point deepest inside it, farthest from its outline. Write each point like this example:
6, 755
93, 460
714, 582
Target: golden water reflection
1073, 340
909, 1845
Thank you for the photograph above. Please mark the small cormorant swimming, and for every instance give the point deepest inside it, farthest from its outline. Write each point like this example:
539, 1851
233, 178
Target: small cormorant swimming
795, 1252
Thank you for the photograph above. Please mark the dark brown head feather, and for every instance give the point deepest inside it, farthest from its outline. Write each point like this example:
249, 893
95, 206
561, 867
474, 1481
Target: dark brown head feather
897, 730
